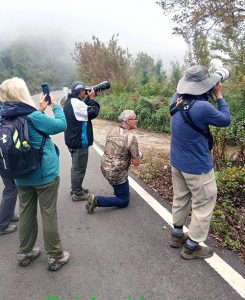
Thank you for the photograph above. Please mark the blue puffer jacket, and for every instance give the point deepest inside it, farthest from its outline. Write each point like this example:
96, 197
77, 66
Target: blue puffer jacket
49, 167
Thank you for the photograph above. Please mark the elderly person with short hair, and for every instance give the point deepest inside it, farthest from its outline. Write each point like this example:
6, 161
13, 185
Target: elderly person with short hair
121, 149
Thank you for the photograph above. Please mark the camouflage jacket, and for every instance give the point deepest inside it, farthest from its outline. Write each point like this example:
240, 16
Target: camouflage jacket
121, 146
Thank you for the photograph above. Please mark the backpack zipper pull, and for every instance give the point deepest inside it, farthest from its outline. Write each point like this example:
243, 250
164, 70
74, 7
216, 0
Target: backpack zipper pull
25, 145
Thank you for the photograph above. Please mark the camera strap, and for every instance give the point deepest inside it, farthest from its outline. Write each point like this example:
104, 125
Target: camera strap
185, 105
183, 108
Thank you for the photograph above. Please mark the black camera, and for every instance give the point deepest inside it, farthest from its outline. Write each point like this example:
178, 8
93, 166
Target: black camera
102, 86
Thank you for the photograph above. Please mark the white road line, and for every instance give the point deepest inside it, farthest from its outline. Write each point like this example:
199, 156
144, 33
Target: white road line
235, 280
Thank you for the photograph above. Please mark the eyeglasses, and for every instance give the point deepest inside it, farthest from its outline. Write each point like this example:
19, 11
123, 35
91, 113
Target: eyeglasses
133, 119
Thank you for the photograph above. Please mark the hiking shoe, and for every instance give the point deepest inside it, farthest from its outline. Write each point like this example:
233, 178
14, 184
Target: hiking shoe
176, 241
56, 264
15, 218
86, 191
76, 198
9, 229
198, 252
92, 203
26, 258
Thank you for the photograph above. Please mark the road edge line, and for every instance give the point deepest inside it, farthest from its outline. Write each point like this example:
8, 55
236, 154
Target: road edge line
230, 275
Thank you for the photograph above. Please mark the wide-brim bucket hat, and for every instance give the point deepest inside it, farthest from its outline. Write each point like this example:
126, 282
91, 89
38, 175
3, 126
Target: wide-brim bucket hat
197, 81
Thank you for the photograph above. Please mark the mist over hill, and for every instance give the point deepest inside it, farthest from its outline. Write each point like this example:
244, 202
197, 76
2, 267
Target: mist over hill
38, 59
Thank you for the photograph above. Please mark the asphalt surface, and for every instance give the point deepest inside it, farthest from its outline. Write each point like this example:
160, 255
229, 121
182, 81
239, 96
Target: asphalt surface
116, 254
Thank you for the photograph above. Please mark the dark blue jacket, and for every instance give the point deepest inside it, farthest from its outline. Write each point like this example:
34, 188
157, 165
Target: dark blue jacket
189, 150
79, 113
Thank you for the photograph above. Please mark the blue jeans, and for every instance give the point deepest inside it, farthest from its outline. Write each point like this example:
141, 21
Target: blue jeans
120, 200
8, 202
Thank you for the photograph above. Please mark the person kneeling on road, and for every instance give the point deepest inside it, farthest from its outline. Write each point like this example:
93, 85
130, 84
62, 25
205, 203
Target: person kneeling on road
121, 149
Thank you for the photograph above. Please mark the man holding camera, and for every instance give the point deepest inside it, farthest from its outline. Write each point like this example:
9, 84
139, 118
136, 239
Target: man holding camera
193, 175
79, 108
121, 149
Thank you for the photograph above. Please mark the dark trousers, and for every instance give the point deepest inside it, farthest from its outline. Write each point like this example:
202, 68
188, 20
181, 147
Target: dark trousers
121, 198
78, 169
8, 202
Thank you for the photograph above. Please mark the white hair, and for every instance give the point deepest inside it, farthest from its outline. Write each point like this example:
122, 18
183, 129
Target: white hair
126, 115
15, 90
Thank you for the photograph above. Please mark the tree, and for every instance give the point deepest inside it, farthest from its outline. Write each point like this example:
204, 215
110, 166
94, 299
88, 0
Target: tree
199, 52
147, 70
207, 16
36, 62
15, 61
176, 73
97, 61
212, 29
160, 73
143, 66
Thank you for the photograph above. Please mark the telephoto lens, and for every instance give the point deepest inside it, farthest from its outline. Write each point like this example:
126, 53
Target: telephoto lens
105, 85
223, 73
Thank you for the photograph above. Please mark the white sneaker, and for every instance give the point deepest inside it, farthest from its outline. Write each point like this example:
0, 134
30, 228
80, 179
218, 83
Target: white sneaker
56, 264
26, 258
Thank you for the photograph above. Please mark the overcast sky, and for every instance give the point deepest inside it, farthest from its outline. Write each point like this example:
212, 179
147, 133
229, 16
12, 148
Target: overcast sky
140, 23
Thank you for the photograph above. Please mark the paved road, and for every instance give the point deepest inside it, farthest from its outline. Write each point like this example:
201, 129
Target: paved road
115, 254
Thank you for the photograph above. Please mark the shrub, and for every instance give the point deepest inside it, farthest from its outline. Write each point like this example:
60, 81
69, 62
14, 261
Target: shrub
228, 217
231, 185
112, 105
152, 112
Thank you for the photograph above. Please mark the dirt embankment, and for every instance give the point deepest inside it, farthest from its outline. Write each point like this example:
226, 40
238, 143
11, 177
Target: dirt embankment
147, 140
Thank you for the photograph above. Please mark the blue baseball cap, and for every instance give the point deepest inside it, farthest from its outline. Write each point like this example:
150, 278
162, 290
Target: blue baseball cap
77, 86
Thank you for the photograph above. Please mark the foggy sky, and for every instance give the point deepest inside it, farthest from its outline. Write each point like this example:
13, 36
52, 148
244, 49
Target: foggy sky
140, 23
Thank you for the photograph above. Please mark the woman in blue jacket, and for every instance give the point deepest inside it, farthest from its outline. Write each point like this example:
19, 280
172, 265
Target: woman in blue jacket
42, 184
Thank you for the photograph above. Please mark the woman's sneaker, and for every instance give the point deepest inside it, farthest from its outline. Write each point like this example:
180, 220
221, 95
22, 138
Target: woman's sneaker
25, 258
92, 203
56, 264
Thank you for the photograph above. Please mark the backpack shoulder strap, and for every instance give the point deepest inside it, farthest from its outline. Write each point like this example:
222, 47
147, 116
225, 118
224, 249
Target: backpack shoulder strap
173, 109
184, 108
25, 122
186, 116
42, 145
39, 131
